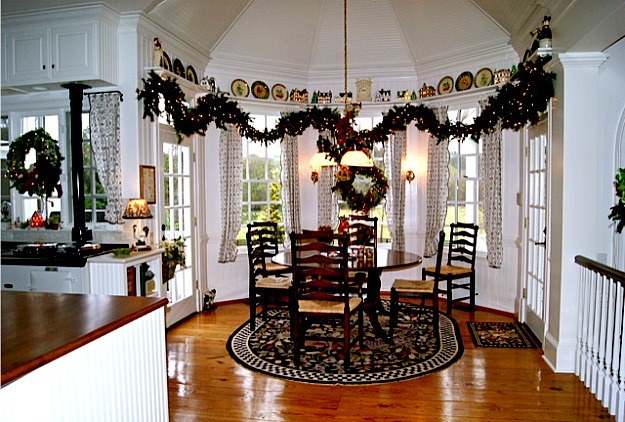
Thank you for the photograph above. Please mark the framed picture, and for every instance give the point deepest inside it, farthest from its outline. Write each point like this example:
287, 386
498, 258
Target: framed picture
147, 183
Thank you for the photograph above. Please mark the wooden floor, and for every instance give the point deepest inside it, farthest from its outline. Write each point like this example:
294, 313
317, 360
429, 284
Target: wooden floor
205, 384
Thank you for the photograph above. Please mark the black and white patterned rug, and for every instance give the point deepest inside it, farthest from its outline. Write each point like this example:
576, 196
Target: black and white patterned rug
415, 351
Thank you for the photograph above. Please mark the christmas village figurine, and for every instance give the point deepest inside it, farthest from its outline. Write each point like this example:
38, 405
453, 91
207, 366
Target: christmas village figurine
157, 53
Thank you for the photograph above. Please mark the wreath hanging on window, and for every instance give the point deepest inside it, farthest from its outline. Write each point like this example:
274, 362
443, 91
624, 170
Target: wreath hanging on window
362, 188
42, 178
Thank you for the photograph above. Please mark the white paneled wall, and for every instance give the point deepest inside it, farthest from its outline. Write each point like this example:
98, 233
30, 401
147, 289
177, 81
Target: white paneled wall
121, 376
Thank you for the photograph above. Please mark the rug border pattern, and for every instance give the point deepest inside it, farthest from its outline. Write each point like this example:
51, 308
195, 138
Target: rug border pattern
450, 351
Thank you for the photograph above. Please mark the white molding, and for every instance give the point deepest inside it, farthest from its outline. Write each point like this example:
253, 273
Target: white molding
582, 59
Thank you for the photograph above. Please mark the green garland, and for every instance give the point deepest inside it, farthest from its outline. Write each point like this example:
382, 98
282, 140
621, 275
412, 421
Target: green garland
43, 177
362, 188
516, 104
617, 212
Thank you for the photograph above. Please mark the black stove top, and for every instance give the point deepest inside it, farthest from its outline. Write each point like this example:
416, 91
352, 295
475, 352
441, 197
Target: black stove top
53, 254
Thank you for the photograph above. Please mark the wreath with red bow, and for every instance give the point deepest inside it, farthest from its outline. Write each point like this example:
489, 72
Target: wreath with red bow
42, 178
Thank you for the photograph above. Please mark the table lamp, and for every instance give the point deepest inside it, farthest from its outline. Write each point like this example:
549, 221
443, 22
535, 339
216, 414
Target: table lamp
137, 208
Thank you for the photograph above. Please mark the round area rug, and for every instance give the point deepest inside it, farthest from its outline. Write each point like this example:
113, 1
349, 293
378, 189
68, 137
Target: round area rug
415, 351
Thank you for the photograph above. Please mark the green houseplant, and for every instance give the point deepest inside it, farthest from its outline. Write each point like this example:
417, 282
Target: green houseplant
173, 254
617, 212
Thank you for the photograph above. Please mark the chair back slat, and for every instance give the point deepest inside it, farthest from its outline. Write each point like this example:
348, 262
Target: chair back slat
362, 231
462, 244
320, 269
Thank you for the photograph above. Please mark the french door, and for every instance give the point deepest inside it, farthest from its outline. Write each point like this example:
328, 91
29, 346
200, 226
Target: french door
177, 194
536, 281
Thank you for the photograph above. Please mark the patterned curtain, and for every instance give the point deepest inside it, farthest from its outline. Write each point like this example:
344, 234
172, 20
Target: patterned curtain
106, 145
231, 181
289, 178
394, 156
437, 190
491, 177
327, 201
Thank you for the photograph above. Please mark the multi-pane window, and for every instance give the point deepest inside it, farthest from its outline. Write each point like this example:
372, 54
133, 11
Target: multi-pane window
95, 197
465, 198
261, 180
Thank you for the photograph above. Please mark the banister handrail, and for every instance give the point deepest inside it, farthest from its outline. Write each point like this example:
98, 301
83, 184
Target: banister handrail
601, 269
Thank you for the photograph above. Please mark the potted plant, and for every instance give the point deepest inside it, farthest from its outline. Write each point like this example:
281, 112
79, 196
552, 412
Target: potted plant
173, 254
617, 212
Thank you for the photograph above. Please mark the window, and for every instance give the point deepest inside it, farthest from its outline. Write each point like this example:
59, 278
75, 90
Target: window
465, 196
95, 197
5, 184
261, 180
384, 236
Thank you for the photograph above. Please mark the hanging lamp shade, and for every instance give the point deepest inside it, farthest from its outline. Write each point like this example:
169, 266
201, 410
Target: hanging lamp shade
356, 159
320, 159
137, 208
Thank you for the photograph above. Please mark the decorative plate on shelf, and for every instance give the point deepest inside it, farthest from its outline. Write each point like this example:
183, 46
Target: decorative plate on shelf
279, 92
179, 68
260, 90
240, 88
483, 77
191, 75
464, 81
446, 85
166, 62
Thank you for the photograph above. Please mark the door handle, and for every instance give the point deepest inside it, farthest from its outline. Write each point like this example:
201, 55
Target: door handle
541, 243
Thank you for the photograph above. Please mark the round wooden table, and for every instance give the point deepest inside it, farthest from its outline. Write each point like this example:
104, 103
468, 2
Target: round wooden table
386, 260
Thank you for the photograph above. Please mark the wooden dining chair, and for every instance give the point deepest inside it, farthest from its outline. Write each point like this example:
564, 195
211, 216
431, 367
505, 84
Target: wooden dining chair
459, 270
420, 289
268, 281
362, 232
321, 292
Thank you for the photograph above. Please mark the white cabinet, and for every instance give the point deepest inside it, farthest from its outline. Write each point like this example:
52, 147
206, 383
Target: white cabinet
138, 274
58, 51
47, 279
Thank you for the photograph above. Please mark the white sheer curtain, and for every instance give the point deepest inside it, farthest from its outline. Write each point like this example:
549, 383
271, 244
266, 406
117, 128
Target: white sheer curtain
394, 157
491, 178
231, 180
437, 189
327, 201
289, 176
106, 144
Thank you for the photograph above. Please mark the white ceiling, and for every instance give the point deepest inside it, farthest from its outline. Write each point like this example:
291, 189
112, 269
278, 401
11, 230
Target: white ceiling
384, 36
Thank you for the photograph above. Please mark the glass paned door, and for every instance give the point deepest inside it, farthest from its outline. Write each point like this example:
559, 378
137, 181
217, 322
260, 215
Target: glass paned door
178, 223
536, 264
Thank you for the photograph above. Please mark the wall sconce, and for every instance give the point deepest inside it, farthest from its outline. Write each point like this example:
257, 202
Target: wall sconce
137, 208
410, 176
318, 160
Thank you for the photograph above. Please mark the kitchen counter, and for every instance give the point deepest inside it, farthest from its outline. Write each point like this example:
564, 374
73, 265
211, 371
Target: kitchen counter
75, 357
37, 328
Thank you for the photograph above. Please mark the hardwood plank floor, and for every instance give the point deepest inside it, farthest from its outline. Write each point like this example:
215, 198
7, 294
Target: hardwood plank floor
205, 384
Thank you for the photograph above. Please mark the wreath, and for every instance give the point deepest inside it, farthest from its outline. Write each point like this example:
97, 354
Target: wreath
362, 188
42, 178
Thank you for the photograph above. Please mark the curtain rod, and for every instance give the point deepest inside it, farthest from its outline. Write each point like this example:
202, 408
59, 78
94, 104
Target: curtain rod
121, 95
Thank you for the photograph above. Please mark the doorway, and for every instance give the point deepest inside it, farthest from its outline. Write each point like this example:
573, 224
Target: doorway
536, 282
177, 221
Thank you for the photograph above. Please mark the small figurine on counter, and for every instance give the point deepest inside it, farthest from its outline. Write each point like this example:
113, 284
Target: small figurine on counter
157, 53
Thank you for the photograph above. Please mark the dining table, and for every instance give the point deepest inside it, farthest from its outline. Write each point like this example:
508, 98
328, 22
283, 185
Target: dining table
385, 260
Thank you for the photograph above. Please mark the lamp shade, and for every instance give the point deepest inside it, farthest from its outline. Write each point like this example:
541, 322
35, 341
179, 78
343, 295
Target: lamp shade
356, 159
321, 159
137, 208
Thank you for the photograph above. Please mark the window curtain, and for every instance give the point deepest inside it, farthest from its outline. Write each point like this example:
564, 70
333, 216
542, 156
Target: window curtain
491, 177
327, 200
106, 145
289, 178
437, 189
231, 180
394, 156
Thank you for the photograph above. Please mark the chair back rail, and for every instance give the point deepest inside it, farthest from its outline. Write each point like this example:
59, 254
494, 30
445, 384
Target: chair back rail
600, 346
462, 244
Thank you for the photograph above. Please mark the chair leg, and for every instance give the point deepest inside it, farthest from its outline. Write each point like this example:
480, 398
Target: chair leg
252, 299
361, 327
450, 299
472, 292
394, 311
346, 342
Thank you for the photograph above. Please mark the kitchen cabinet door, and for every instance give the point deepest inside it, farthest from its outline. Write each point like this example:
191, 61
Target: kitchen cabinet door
57, 280
27, 55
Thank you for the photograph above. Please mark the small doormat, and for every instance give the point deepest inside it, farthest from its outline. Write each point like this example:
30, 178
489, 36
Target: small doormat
499, 334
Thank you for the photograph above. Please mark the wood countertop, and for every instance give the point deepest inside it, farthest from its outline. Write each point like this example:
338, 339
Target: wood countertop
38, 328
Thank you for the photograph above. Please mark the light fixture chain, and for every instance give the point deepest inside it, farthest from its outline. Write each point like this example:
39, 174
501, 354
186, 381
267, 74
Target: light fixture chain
345, 49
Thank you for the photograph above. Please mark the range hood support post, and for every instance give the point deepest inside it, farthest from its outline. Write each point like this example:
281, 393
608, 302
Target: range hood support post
80, 233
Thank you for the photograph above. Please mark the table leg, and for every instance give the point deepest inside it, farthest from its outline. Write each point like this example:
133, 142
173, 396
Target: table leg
373, 304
